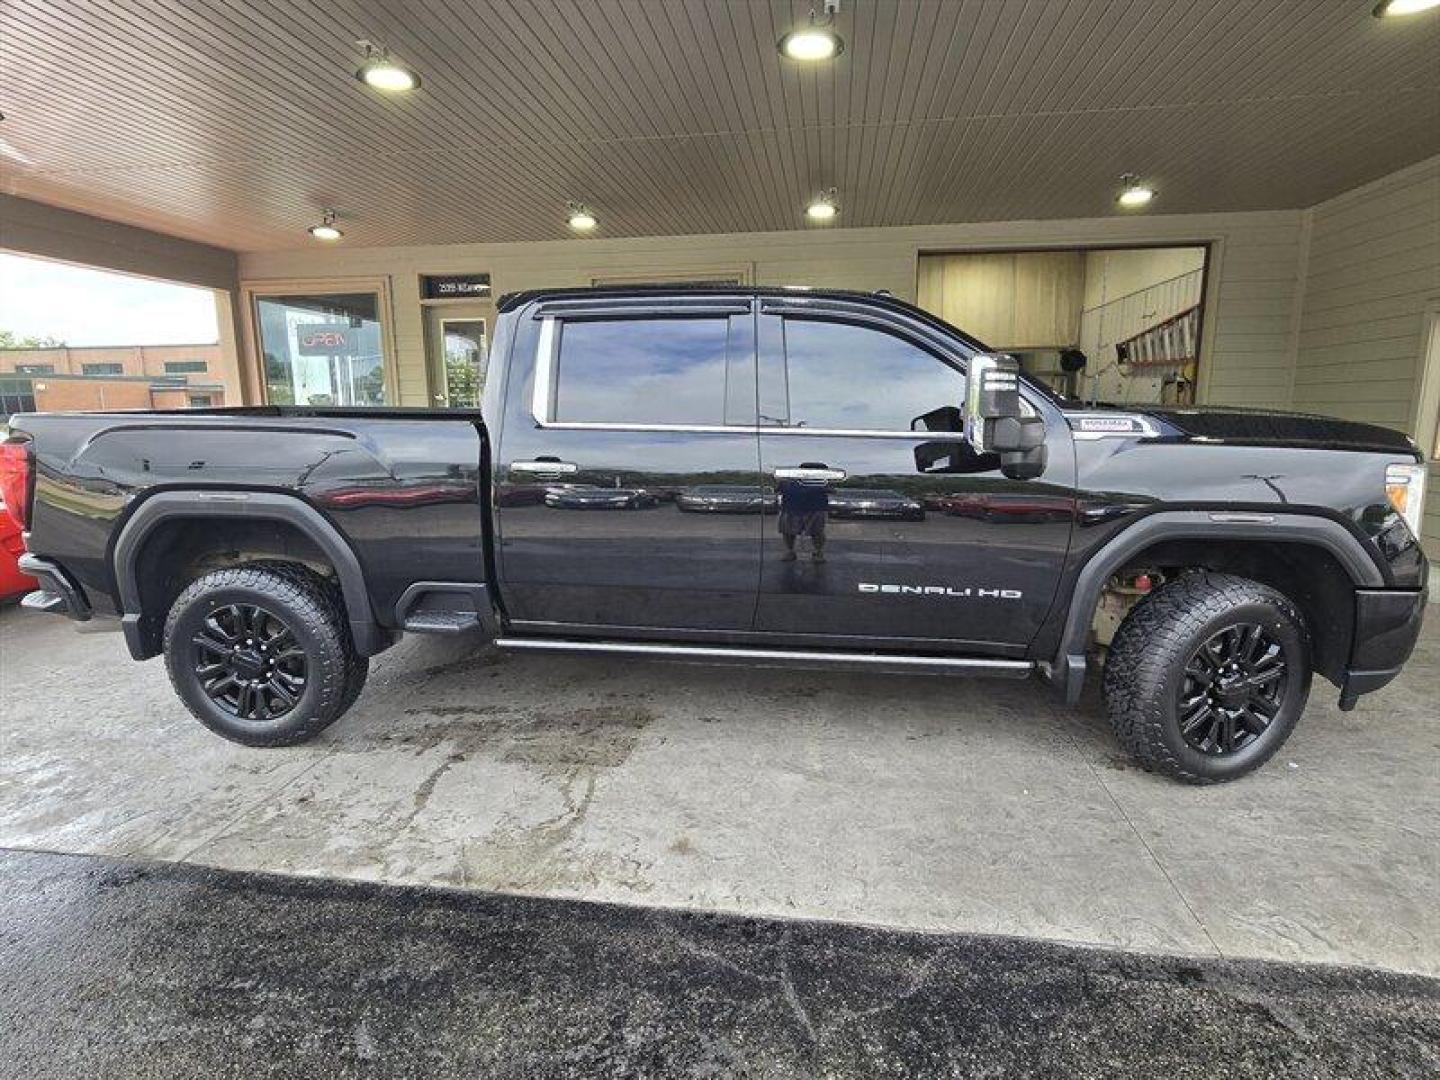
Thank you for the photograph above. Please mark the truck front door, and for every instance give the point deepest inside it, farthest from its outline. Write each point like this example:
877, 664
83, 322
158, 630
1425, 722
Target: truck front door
891, 530
627, 482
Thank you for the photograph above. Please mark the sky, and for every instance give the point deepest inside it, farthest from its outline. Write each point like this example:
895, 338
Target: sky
80, 306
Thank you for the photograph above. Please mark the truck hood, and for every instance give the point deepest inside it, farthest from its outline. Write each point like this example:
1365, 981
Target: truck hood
1264, 427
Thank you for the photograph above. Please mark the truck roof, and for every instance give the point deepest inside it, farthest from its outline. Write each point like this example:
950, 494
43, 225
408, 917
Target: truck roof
881, 299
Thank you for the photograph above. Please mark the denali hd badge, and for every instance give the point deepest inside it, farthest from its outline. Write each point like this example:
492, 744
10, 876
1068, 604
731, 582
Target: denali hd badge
941, 590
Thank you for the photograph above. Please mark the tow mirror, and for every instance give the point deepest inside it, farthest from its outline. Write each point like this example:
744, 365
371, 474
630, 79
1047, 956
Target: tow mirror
992, 392
994, 420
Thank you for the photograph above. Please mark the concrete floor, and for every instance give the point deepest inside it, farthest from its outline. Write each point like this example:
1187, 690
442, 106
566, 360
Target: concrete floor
911, 802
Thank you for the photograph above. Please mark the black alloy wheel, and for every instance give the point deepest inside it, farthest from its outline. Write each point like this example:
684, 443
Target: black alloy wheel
261, 653
1208, 675
1233, 689
249, 662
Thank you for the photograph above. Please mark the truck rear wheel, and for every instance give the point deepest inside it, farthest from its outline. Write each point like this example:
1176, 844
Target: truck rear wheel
262, 654
1207, 676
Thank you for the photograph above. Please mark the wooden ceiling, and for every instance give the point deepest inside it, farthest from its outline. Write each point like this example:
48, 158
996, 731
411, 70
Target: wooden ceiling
237, 123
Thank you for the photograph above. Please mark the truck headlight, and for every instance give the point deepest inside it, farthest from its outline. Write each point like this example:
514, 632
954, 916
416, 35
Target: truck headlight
1405, 488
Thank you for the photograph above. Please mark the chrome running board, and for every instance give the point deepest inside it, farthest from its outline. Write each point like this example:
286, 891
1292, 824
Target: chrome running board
721, 654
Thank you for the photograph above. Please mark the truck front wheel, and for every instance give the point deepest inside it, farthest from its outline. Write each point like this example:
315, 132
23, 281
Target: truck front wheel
1207, 676
262, 655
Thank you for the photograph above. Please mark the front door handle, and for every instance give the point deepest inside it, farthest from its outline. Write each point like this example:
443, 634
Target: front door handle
544, 467
808, 472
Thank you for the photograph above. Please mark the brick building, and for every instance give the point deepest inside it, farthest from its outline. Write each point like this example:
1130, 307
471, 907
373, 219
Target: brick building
112, 377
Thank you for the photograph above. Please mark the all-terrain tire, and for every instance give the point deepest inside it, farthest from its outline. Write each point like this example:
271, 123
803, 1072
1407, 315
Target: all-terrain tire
358, 670
280, 595
1145, 672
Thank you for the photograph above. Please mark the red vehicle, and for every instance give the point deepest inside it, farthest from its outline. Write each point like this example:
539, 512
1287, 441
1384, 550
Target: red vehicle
12, 546
15, 490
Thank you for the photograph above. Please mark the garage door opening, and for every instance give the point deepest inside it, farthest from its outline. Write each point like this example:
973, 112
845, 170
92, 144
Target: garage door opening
1103, 324
78, 337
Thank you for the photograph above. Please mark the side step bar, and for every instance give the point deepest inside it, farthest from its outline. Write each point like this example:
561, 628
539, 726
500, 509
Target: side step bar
722, 654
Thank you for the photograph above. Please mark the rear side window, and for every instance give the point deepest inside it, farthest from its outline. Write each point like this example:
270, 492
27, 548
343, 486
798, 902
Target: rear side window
855, 378
641, 371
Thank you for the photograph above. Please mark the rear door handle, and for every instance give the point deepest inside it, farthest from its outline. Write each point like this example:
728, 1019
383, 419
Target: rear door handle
805, 473
543, 467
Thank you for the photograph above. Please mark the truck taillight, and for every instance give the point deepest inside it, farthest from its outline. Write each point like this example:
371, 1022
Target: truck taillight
17, 478
1405, 488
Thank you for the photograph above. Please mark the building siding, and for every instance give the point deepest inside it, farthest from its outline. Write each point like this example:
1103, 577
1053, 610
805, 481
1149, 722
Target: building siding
1371, 283
1252, 293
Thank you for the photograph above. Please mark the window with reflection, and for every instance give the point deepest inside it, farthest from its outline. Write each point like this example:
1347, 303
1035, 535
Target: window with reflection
641, 371
857, 378
322, 350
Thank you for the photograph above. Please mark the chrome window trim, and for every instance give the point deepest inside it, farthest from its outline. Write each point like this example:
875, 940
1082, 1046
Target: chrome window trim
954, 352
863, 433
600, 425
746, 429
917, 335
542, 399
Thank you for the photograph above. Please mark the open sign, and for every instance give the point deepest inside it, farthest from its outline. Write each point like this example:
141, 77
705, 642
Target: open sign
326, 339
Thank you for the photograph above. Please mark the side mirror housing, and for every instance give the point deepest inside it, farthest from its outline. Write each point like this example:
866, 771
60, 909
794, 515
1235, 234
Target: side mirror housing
992, 392
994, 421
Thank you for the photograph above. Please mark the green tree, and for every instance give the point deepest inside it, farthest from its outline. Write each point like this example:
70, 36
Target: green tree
462, 380
8, 340
278, 390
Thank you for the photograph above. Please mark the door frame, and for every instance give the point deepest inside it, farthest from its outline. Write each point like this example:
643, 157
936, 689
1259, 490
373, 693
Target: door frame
455, 309
253, 291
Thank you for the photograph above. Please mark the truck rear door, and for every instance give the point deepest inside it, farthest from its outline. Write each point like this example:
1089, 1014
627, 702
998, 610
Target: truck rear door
616, 413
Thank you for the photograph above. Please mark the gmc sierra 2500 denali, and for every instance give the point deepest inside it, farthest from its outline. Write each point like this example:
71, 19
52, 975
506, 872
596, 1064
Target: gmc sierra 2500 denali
751, 475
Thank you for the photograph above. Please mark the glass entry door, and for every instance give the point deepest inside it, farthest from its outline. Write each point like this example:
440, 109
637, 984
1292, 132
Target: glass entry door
323, 349
458, 346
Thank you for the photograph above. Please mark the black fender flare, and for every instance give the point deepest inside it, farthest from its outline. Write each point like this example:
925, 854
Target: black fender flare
1067, 669
370, 637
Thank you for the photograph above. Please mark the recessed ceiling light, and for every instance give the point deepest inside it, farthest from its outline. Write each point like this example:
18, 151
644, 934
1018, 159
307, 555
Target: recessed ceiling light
1387, 8
824, 207
817, 39
326, 230
578, 217
384, 73
1134, 194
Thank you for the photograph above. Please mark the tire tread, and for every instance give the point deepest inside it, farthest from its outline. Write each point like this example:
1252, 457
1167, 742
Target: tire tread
1159, 633
311, 598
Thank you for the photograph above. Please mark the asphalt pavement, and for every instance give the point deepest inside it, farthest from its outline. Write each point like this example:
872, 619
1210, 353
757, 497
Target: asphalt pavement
118, 968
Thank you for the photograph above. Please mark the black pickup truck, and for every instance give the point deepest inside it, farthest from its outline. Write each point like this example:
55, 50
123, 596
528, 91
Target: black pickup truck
754, 475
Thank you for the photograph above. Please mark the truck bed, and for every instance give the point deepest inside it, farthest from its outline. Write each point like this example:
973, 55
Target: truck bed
383, 478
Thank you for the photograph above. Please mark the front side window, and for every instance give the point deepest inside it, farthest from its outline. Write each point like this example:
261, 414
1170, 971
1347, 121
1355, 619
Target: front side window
641, 371
186, 367
102, 369
35, 369
856, 378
